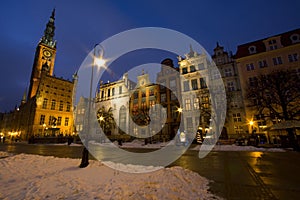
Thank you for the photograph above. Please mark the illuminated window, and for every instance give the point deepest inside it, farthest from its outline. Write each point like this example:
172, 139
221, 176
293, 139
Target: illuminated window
68, 107
45, 102
196, 103
187, 104
237, 117
50, 120
42, 119
113, 92
53, 104
58, 121
151, 103
61, 106
144, 105
205, 105
67, 121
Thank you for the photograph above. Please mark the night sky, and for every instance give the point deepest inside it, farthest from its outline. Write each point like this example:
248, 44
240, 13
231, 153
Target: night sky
81, 24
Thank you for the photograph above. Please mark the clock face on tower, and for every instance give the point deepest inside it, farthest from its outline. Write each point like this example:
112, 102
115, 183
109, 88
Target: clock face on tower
47, 53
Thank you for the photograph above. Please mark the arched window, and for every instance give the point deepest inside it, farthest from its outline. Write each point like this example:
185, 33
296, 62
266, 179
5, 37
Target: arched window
122, 118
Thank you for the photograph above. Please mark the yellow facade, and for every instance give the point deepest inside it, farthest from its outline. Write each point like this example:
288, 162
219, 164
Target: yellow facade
44, 54
48, 109
263, 57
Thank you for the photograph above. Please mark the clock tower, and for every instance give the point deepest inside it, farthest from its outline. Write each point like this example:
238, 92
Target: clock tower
44, 57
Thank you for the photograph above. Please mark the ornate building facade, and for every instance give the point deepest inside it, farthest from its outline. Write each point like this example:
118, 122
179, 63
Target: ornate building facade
112, 98
138, 109
193, 68
235, 123
187, 86
48, 108
263, 57
170, 97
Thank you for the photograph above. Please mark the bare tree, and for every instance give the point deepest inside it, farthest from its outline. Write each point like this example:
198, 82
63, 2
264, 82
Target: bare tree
277, 93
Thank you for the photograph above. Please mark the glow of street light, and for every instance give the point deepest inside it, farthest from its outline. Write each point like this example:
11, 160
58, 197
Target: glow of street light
179, 110
100, 62
251, 122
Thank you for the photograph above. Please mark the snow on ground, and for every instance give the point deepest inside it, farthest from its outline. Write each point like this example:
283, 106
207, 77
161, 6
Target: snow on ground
44, 177
141, 144
240, 148
65, 144
4, 154
233, 147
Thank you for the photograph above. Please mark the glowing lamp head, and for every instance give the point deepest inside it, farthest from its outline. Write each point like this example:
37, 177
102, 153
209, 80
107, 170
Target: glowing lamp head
100, 62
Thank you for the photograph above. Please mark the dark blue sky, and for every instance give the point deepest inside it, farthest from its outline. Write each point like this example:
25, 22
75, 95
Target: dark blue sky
81, 24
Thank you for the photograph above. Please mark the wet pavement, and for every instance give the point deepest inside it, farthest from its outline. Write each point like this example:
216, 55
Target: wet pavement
249, 175
235, 175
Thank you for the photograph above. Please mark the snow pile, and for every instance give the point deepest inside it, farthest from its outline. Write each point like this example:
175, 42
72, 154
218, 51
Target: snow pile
64, 144
42, 177
131, 168
141, 144
133, 144
240, 148
4, 154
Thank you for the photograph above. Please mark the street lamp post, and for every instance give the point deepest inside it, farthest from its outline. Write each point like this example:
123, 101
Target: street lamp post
100, 62
103, 123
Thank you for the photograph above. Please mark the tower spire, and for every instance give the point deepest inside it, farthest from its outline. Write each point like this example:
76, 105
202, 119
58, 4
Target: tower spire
24, 97
48, 37
53, 13
191, 49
